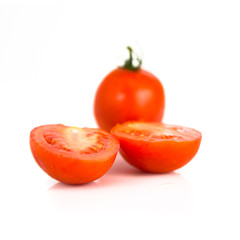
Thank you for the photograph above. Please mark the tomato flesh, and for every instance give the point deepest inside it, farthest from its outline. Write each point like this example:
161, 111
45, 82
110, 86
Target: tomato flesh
157, 147
73, 155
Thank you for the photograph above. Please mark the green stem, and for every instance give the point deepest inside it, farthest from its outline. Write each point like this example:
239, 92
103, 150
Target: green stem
129, 62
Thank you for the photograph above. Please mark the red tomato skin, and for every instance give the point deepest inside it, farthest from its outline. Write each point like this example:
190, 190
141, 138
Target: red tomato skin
157, 157
126, 95
69, 168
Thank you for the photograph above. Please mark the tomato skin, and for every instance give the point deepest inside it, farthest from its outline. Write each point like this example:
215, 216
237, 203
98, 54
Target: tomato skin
68, 166
157, 156
126, 95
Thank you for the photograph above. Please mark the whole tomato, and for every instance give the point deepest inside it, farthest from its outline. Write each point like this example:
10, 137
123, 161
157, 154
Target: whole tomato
129, 93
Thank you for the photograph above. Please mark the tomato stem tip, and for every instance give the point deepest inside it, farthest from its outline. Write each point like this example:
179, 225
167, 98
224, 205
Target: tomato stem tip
129, 62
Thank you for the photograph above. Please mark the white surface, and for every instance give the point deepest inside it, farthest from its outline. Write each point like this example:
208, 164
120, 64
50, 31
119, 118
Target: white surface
53, 56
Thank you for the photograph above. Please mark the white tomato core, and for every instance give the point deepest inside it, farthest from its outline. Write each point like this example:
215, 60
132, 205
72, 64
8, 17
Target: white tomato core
79, 139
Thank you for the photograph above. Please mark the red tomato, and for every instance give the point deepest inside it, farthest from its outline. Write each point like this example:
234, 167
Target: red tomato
73, 155
157, 147
128, 93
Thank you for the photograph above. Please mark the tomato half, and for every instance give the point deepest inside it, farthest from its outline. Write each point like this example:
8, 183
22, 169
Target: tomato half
73, 155
128, 93
157, 147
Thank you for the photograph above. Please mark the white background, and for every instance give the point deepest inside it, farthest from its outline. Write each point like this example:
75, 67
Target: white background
53, 55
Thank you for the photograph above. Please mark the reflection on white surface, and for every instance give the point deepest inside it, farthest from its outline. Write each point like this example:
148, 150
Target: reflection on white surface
135, 190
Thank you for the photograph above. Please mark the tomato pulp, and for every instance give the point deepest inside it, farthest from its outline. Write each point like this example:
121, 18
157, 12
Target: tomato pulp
73, 155
128, 93
157, 147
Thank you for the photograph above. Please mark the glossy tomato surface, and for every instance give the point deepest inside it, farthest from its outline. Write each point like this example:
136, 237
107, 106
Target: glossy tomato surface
73, 155
126, 95
157, 147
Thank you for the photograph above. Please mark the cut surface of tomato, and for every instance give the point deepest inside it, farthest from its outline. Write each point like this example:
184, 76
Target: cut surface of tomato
73, 155
157, 147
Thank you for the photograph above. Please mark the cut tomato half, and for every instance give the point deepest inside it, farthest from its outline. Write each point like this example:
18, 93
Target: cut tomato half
73, 155
157, 147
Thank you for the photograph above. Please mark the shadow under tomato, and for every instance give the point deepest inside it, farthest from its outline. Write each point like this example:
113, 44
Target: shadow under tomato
63, 186
120, 166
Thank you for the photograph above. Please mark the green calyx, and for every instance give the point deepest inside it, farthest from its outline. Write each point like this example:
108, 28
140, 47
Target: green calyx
129, 62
